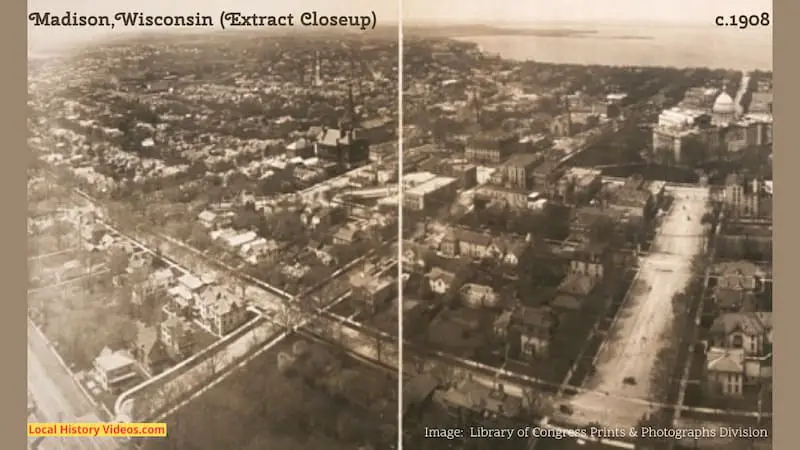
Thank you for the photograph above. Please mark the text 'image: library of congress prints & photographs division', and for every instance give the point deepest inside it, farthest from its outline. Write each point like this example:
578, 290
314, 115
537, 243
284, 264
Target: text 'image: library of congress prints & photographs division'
522, 226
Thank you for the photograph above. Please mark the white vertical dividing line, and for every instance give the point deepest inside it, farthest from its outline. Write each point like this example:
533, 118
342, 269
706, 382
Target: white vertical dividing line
400, 224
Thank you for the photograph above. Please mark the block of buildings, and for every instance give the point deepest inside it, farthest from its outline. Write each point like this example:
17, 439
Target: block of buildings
431, 194
489, 148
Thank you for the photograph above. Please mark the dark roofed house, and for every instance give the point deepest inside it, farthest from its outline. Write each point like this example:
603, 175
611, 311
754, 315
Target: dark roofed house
149, 351
530, 331
590, 259
347, 147
178, 337
473, 398
734, 300
751, 332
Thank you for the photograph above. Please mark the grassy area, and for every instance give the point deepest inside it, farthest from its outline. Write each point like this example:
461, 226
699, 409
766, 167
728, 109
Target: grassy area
259, 408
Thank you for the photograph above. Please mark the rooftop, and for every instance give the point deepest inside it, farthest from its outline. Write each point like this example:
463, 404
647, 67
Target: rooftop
430, 186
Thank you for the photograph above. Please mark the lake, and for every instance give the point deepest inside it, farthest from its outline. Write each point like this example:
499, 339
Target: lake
659, 45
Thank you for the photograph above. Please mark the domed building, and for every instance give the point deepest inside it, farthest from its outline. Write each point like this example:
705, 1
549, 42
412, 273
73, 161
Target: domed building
724, 109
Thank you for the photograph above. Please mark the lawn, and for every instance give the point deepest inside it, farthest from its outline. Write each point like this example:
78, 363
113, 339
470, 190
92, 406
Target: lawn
259, 408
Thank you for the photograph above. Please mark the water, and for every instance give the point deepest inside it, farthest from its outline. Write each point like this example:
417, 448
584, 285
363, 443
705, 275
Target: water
631, 45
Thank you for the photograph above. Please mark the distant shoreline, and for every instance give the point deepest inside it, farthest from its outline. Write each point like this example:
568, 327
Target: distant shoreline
473, 31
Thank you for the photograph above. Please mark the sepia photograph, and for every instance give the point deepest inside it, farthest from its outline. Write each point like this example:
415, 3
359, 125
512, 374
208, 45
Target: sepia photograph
201, 251
587, 219
398, 224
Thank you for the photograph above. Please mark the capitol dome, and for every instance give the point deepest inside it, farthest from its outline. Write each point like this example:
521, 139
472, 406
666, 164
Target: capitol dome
724, 104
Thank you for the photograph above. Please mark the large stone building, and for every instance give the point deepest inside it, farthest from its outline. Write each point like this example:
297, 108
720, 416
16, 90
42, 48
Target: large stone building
489, 148
683, 135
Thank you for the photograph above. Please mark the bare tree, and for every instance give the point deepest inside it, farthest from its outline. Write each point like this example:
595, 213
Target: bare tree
287, 317
536, 402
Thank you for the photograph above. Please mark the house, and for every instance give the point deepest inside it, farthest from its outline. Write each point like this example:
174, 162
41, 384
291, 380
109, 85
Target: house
372, 292
115, 370
158, 281
234, 242
747, 197
729, 371
472, 244
530, 331
414, 254
149, 351
589, 259
633, 197
724, 371
585, 218
191, 282
208, 219
751, 332
510, 251
324, 254
223, 234
479, 296
727, 300
471, 398
251, 251
183, 301
347, 234
440, 280
219, 312
740, 275
177, 336
572, 292
448, 246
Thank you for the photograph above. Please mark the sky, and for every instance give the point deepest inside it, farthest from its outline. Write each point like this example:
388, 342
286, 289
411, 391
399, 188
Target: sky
505, 12
531, 12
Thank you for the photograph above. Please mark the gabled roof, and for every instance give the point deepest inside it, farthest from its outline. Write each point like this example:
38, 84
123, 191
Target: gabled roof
437, 273
725, 360
751, 324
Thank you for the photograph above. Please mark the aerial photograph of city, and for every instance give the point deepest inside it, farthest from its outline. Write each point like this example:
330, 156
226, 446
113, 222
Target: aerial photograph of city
480, 226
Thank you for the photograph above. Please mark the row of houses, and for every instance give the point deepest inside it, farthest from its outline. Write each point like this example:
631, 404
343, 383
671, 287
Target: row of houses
527, 326
738, 348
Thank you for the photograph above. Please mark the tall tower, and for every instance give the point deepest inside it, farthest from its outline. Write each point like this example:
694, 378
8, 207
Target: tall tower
317, 71
476, 104
568, 112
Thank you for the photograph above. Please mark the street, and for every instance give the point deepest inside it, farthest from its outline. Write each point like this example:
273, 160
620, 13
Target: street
626, 361
58, 398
